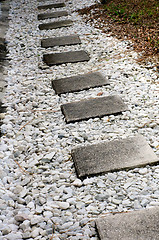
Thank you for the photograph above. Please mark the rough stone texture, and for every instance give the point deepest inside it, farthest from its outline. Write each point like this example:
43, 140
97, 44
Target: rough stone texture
60, 41
54, 25
91, 108
135, 225
79, 82
112, 156
54, 5
57, 14
66, 57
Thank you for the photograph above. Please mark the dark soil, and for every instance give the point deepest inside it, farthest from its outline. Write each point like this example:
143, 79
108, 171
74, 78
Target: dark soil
135, 20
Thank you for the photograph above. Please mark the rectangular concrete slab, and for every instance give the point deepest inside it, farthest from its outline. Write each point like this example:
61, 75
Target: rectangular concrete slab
65, 57
79, 82
54, 25
53, 5
113, 156
134, 225
61, 41
57, 14
91, 108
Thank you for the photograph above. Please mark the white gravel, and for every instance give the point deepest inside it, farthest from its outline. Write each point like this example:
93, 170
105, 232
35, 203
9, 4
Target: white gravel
39, 191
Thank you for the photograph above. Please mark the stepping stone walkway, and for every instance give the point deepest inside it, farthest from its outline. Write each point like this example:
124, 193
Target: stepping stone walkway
143, 225
57, 14
96, 107
61, 41
54, 25
66, 57
112, 156
54, 5
105, 156
79, 82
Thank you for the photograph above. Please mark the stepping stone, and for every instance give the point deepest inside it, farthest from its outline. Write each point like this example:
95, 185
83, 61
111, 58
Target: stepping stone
54, 25
57, 14
112, 156
142, 224
96, 107
79, 82
66, 57
60, 41
54, 5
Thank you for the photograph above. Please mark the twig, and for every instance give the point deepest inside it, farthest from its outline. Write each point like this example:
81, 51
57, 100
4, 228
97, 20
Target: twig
25, 124
22, 168
40, 110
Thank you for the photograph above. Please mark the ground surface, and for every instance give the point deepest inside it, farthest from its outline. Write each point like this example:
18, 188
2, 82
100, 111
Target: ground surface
41, 197
136, 20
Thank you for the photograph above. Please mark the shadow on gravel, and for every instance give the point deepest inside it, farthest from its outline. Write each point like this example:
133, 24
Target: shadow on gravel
4, 12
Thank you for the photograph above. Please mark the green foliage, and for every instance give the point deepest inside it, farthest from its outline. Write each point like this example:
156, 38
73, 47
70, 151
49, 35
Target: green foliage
140, 13
135, 11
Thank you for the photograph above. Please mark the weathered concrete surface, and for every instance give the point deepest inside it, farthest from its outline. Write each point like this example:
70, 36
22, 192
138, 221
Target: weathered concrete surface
57, 14
79, 82
61, 41
96, 107
54, 5
66, 57
113, 156
54, 25
134, 225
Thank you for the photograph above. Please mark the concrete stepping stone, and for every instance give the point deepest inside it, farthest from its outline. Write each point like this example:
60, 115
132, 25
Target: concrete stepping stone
142, 225
96, 107
79, 82
112, 156
57, 14
54, 25
61, 41
53, 5
66, 57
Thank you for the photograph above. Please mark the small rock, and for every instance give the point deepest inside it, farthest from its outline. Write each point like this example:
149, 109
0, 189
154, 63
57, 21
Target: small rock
116, 201
2, 173
111, 176
36, 219
100, 184
28, 199
84, 221
6, 230
25, 225
66, 225
143, 171
47, 214
26, 235
11, 203
35, 232
42, 200
49, 156
39, 209
23, 193
31, 205
144, 202
15, 236
18, 189
21, 217
49, 231
25, 181
64, 205
77, 183
137, 204
87, 181
101, 197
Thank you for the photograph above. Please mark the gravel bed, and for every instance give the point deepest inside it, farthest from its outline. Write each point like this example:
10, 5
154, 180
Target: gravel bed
40, 195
